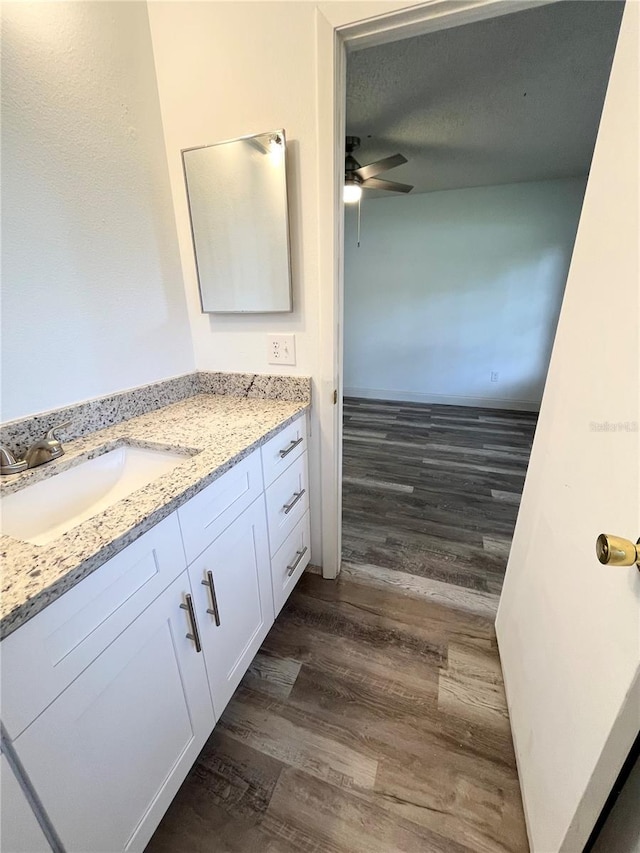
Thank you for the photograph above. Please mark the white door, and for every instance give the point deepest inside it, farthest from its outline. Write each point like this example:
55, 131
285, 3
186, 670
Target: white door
232, 592
568, 627
108, 756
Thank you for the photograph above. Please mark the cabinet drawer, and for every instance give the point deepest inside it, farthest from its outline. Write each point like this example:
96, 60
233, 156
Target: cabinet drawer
290, 561
42, 657
213, 509
287, 502
283, 449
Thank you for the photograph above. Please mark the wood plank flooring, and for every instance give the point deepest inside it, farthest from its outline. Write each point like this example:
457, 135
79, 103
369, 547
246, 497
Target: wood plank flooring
433, 491
371, 721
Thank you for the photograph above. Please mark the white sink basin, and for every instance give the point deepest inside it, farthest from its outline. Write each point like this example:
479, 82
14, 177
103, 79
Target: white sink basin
41, 512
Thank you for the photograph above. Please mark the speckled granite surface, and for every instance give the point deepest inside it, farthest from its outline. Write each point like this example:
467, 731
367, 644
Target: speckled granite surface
218, 430
103, 412
256, 386
98, 413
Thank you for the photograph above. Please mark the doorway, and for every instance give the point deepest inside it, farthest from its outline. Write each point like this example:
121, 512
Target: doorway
549, 672
452, 292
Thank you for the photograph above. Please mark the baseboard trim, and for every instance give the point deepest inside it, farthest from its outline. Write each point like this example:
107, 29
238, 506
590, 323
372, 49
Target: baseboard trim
443, 399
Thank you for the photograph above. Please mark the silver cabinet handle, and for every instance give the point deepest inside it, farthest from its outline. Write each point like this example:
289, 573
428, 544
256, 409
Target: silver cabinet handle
213, 610
299, 555
291, 447
296, 497
195, 634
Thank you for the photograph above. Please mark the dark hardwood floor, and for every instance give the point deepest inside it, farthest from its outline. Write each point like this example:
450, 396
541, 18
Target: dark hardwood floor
371, 721
433, 491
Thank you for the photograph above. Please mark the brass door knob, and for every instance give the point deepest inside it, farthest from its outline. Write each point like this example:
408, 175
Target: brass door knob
616, 551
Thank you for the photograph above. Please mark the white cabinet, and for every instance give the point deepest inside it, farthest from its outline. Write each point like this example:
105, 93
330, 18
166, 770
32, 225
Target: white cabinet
19, 830
231, 584
106, 697
107, 756
49, 652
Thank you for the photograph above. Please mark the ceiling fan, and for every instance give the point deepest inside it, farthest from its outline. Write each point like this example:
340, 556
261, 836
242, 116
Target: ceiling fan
357, 177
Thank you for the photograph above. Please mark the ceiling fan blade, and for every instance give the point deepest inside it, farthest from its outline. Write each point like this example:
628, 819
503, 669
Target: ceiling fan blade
393, 186
372, 169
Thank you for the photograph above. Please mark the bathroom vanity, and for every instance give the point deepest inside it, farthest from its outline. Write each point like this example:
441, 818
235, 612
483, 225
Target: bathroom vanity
111, 690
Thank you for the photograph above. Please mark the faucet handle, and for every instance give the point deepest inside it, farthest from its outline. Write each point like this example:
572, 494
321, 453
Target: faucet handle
8, 462
45, 449
51, 433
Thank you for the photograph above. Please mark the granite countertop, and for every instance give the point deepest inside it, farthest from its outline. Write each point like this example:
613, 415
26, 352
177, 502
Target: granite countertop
214, 432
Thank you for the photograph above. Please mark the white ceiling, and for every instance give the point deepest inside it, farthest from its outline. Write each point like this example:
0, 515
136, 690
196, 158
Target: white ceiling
513, 98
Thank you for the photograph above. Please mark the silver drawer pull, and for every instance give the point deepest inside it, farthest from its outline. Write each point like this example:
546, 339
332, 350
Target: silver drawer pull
213, 610
291, 447
296, 497
299, 555
194, 635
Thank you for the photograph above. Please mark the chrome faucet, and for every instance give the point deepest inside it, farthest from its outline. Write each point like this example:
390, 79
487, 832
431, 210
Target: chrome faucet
44, 450
8, 462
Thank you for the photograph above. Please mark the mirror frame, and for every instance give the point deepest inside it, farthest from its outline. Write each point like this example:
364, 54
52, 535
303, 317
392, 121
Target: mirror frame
247, 137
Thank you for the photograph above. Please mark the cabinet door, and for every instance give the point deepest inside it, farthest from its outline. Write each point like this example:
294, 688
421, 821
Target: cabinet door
108, 756
61, 641
231, 584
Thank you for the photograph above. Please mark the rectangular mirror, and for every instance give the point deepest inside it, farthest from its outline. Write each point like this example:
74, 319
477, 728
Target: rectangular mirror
237, 193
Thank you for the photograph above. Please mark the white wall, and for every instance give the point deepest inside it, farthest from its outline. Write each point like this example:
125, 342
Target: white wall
448, 287
92, 292
226, 70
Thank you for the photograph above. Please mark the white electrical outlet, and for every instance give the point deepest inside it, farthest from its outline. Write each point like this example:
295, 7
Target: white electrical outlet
494, 375
281, 349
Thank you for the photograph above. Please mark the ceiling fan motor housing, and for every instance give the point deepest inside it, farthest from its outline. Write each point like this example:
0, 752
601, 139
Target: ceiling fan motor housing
350, 163
352, 142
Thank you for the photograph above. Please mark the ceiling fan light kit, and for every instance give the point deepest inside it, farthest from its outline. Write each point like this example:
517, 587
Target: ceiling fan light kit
352, 192
357, 177
366, 177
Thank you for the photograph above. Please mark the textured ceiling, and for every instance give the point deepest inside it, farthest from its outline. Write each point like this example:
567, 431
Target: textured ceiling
513, 98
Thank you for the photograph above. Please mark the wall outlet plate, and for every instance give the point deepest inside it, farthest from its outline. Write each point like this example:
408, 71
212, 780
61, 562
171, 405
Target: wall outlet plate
494, 375
281, 349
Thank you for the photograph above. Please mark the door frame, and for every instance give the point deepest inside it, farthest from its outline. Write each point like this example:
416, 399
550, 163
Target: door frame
333, 41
